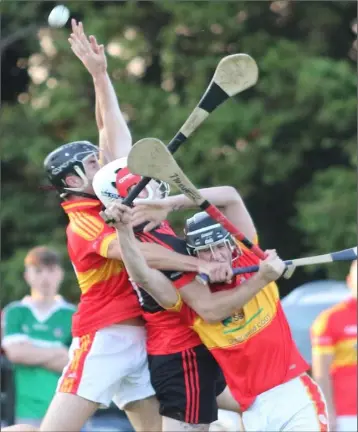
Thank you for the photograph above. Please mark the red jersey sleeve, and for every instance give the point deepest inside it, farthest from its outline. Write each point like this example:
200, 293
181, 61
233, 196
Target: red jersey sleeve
89, 234
322, 334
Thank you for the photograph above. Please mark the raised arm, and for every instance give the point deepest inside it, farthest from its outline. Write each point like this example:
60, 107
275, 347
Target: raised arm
117, 134
103, 145
225, 197
115, 137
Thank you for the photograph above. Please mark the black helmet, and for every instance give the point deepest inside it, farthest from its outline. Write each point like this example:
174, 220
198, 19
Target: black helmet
201, 231
67, 159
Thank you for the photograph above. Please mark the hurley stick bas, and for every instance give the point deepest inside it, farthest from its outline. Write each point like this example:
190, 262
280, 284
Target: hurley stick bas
234, 74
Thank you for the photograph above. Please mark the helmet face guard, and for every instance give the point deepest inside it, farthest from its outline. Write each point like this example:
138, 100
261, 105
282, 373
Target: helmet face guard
81, 171
125, 181
114, 181
66, 160
202, 233
163, 188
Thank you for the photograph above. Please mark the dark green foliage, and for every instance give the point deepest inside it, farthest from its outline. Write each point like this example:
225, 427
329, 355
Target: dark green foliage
288, 144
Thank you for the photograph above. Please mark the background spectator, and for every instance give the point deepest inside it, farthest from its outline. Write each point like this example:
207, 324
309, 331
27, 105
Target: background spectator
36, 334
7, 395
334, 358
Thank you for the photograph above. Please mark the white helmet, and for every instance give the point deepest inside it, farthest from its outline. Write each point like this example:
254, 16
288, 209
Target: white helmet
114, 181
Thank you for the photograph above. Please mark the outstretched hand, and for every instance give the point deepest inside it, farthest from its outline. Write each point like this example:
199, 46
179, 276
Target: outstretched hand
87, 50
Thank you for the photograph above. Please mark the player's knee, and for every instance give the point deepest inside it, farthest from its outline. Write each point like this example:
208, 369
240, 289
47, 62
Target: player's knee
144, 414
78, 410
150, 403
226, 401
173, 425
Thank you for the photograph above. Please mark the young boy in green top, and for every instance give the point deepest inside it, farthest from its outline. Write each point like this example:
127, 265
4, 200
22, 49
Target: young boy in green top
37, 334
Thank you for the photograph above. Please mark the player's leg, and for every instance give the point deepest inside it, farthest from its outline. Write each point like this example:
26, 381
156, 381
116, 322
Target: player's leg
228, 421
311, 408
297, 405
229, 413
98, 364
134, 393
173, 425
226, 400
186, 389
144, 415
68, 412
78, 394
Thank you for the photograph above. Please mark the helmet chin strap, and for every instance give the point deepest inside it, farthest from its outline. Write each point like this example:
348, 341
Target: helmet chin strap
78, 191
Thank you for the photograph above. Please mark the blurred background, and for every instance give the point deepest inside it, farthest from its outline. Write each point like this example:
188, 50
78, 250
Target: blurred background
288, 144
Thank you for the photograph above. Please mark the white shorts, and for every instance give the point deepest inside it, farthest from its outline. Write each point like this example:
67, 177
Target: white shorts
346, 423
110, 364
297, 405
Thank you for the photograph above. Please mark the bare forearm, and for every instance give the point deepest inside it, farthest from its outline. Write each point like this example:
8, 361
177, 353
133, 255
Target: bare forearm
225, 303
57, 363
132, 256
161, 258
118, 136
152, 281
28, 354
225, 197
321, 367
104, 157
220, 196
99, 119
156, 256
325, 384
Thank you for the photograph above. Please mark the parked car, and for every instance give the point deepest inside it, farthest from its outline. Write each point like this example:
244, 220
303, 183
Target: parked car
303, 305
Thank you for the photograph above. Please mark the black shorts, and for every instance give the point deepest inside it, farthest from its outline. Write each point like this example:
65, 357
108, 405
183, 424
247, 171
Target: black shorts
187, 384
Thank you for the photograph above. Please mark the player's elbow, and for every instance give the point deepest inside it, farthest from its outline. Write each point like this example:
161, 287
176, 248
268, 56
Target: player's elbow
142, 279
212, 314
208, 313
231, 194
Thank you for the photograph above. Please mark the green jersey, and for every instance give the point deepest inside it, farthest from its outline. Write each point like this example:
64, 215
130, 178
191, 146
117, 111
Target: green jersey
22, 321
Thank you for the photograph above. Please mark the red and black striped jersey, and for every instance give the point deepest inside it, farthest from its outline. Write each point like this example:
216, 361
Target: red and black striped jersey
166, 332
